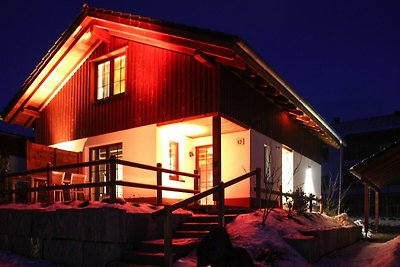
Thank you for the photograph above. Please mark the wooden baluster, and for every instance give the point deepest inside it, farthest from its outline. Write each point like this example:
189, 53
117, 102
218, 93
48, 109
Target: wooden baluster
159, 184
113, 179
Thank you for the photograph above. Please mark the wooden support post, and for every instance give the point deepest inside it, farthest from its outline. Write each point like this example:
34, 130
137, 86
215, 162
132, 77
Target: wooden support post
113, 179
48, 182
366, 209
376, 210
310, 204
167, 236
321, 204
216, 137
258, 188
8, 186
220, 204
159, 184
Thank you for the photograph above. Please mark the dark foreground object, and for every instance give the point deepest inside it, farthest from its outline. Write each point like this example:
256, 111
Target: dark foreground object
216, 250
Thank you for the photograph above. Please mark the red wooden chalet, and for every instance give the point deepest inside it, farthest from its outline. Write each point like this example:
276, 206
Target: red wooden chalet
151, 91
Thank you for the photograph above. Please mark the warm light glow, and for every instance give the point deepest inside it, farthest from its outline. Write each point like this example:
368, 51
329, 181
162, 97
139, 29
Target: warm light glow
287, 170
308, 182
74, 146
185, 129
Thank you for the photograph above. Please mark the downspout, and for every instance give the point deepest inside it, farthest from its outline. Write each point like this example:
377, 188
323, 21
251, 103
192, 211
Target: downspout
340, 177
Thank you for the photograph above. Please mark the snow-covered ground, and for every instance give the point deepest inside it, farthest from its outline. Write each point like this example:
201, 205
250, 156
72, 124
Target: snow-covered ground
246, 231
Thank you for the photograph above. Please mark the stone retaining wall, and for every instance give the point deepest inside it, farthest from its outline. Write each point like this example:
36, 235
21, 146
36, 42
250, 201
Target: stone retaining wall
77, 237
314, 244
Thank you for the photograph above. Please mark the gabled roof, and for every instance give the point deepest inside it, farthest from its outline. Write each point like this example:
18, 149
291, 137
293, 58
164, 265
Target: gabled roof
94, 26
380, 169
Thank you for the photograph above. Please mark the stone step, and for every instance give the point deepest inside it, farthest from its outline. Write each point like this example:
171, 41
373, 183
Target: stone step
180, 246
210, 218
144, 258
190, 234
127, 264
199, 226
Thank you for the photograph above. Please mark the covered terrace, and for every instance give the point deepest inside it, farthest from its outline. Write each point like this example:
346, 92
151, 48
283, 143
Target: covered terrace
379, 170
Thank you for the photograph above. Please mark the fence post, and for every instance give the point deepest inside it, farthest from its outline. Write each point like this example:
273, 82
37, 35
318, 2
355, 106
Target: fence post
310, 204
159, 184
321, 204
220, 204
113, 178
258, 188
49, 164
196, 180
168, 236
280, 200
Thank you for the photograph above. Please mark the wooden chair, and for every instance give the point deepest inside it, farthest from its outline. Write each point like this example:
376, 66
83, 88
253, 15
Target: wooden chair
57, 178
78, 179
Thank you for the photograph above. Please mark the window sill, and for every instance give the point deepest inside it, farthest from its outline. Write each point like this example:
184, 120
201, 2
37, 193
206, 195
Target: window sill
110, 98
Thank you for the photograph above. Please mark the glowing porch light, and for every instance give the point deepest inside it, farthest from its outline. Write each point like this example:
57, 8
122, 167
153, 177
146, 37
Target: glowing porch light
308, 182
185, 129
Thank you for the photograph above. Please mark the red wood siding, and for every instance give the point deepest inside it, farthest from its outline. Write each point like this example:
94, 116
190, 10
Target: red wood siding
162, 85
240, 101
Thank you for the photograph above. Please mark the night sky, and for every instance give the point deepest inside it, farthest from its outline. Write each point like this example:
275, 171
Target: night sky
341, 56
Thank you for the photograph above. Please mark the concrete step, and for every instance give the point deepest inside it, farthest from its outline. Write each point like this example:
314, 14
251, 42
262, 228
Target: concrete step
190, 234
180, 246
199, 226
127, 264
144, 258
210, 218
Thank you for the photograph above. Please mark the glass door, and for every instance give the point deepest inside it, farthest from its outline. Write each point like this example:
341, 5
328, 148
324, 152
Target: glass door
100, 173
204, 163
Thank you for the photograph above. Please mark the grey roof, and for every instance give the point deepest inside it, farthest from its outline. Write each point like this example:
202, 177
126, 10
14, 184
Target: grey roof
371, 124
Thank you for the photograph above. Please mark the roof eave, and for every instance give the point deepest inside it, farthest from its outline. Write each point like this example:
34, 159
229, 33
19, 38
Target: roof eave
289, 92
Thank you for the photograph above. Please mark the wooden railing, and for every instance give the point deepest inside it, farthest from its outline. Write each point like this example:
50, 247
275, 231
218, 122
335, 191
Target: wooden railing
220, 191
111, 183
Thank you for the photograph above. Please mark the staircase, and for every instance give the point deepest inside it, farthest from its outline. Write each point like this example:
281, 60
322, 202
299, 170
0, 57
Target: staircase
185, 239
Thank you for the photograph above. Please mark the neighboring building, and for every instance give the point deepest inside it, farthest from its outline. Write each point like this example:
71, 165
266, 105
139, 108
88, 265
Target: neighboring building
363, 138
150, 91
13, 146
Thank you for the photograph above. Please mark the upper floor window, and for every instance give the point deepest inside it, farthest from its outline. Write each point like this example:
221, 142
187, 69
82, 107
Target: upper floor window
111, 76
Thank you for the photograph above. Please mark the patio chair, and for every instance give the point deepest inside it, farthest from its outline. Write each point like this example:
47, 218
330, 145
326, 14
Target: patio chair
57, 178
77, 179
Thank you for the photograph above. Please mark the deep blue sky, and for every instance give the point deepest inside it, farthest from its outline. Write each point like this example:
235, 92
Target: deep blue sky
342, 56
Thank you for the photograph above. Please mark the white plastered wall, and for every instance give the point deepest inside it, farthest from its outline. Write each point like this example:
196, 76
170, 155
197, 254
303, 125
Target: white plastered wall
235, 160
186, 161
138, 145
308, 174
258, 141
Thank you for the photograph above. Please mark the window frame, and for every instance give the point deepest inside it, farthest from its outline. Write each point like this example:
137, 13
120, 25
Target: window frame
111, 58
94, 171
173, 159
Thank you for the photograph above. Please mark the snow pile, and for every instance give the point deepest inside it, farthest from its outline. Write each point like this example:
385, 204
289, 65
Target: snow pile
344, 220
266, 243
129, 207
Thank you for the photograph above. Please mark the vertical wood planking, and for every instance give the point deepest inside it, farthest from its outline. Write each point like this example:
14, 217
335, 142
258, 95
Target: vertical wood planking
161, 85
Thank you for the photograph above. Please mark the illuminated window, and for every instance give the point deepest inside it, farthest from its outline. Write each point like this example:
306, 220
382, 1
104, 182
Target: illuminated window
174, 159
111, 77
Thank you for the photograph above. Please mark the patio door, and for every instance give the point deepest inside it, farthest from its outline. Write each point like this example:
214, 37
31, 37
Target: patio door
204, 163
101, 173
